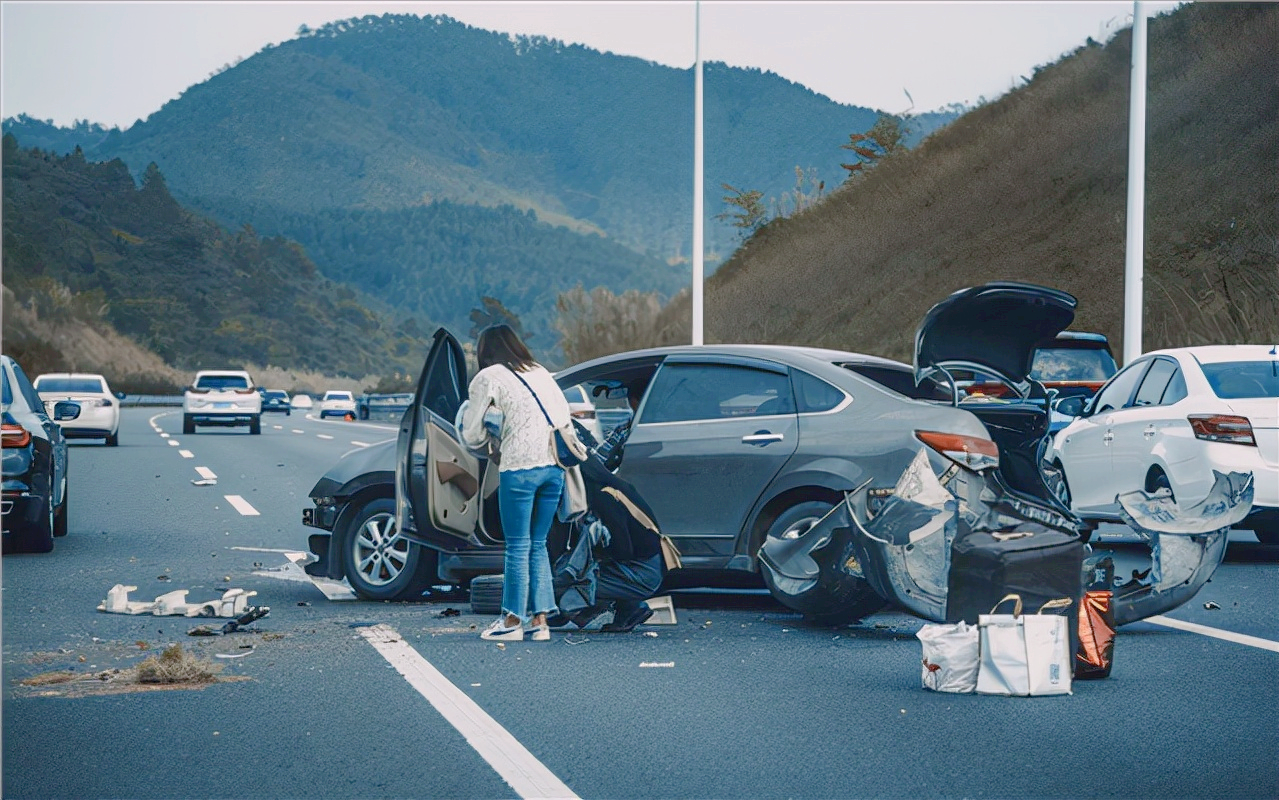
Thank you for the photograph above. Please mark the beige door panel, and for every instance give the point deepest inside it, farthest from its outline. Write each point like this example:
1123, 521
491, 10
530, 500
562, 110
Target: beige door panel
453, 483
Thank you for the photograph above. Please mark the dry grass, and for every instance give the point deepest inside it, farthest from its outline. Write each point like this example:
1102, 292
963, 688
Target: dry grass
172, 668
175, 665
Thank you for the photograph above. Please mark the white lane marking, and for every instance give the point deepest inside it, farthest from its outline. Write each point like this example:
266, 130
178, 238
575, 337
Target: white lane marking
503, 752
186, 454
241, 505
278, 427
164, 436
295, 430
206, 473
174, 443
323, 436
1216, 633
264, 550
359, 444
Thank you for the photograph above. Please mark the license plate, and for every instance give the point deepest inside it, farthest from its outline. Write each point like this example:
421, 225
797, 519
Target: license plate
224, 405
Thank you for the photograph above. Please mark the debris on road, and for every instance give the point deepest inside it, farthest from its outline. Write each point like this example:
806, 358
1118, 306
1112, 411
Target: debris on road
1211, 606
205, 482
233, 655
651, 634
233, 603
448, 612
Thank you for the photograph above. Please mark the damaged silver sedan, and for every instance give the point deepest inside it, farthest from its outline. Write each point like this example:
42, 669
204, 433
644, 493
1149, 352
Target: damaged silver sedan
895, 543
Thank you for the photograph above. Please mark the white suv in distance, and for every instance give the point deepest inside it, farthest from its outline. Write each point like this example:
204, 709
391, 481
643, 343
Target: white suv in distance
99, 407
222, 397
337, 403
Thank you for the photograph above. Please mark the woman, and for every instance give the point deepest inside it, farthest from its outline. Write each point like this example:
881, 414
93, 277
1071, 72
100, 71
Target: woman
531, 482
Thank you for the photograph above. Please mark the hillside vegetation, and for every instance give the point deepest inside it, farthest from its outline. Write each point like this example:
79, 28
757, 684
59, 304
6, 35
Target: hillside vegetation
1033, 188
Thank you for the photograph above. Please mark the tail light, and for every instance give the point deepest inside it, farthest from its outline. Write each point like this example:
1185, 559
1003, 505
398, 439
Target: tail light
245, 391
968, 451
16, 436
584, 414
1222, 428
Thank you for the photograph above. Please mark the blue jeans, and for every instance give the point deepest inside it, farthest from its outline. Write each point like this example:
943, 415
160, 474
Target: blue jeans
528, 500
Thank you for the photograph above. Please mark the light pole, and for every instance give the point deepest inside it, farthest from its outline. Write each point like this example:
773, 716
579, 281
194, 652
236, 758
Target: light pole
697, 176
1134, 251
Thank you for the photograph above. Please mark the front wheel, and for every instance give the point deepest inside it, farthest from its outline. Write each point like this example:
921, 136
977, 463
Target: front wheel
379, 563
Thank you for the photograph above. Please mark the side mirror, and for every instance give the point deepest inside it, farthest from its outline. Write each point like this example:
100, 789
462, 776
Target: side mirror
65, 410
1070, 406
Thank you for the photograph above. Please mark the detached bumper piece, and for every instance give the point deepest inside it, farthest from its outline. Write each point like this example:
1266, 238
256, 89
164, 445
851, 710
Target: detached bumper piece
233, 603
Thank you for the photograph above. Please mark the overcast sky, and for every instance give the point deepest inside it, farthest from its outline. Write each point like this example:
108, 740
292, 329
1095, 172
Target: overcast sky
115, 63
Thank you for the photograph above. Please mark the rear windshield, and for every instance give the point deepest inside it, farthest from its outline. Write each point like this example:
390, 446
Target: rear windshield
1072, 364
1237, 380
69, 385
337, 396
222, 382
274, 393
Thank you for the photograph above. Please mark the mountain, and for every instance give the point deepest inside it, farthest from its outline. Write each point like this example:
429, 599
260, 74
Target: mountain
1033, 187
85, 245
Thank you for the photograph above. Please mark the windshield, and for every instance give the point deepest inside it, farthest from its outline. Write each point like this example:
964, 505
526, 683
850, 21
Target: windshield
1072, 364
1237, 380
222, 382
275, 393
69, 385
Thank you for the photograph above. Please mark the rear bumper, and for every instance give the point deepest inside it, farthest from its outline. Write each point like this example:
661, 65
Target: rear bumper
222, 419
337, 412
86, 433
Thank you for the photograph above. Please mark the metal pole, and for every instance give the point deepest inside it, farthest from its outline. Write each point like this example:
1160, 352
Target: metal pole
697, 179
1134, 256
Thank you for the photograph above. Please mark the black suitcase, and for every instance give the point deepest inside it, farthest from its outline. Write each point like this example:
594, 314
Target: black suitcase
1032, 561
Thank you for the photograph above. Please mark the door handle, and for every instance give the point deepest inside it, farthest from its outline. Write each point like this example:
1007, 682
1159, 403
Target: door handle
762, 438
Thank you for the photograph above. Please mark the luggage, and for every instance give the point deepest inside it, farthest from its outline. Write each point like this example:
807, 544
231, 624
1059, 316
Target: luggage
1095, 655
1031, 561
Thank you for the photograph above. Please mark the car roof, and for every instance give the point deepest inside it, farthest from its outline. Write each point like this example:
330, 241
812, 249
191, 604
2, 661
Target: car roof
70, 375
236, 372
1217, 353
782, 352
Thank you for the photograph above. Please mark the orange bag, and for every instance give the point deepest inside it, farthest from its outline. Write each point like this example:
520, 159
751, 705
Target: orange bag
1096, 635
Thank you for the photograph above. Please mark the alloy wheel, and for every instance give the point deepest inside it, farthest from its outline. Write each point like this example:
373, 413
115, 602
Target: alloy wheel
380, 552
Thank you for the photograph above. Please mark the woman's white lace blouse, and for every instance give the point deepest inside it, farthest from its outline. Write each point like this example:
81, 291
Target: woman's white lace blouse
526, 438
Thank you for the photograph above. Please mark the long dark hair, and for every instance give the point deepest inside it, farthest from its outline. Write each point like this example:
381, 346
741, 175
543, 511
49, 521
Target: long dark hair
500, 344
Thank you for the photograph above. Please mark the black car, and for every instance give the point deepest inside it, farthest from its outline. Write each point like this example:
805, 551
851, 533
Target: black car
275, 400
34, 494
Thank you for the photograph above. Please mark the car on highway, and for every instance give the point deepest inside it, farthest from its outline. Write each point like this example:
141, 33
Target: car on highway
225, 397
301, 401
99, 406
1166, 421
337, 403
275, 400
34, 497
730, 445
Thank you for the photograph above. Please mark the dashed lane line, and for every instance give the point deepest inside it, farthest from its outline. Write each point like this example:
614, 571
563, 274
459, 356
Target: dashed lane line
295, 430
278, 427
241, 505
186, 454
503, 752
206, 473
359, 444
164, 435
323, 436
1216, 633
174, 443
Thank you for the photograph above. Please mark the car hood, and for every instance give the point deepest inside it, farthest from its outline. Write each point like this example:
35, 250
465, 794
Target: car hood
994, 327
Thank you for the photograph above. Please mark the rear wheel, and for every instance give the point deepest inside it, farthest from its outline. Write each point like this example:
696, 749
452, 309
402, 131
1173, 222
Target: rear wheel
61, 517
113, 440
39, 537
188, 424
255, 425
378, 562
1157, 480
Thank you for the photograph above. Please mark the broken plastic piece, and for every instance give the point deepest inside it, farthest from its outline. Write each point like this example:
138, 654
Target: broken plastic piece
1211, 606
205, 482
118, 601
232, 655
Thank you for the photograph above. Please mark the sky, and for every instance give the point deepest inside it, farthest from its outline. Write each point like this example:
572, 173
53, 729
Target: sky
114, 63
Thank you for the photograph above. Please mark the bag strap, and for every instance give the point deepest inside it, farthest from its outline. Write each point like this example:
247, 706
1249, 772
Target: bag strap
1007, 597
535, 397
1061, 602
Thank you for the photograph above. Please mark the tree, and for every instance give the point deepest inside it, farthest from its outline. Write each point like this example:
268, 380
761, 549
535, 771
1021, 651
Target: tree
882, 140
492, 312
748, 213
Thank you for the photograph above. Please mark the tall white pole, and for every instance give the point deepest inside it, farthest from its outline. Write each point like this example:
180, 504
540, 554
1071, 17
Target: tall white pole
697, 179
1135, 249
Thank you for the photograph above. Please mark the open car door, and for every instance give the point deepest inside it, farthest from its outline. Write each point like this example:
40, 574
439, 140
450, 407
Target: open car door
437, 480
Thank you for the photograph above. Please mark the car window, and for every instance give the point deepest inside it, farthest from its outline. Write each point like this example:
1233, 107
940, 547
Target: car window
1176, 391
1071, 364
218, 382
1155, 383
1237, 380
69, 385
683, 392
1116, 393
814, 394
573, 394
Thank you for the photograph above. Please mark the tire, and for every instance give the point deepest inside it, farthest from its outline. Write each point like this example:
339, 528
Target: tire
378, 562
188, 424
834, 599
113, 440
255, 425
288, 412
39, 537
62, 516
1157, 480
486, 595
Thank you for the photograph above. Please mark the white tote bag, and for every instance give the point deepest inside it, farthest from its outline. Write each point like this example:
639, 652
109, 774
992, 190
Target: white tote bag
951, 655
1024, 655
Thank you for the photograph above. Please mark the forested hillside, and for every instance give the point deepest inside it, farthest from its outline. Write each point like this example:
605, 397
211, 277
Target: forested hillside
84, 244
1033, 187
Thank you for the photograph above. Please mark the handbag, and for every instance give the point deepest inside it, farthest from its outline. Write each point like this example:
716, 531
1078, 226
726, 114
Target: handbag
1096, 652
566, 448
951, 657
575, 574
1024, 655
573, 502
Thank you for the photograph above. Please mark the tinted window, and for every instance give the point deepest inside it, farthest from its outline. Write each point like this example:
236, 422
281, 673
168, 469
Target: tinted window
683, 392
1071, 364
1116, 393
337, 395
278, 394
69, 385
222, 382
814, 394
1236, 380
573, 394
1155, 383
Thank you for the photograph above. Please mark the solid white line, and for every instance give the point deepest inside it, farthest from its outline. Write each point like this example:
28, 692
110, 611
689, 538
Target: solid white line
173, 443
1217, 633
186, 454
241, 505
206, 473
323, 436
512, 761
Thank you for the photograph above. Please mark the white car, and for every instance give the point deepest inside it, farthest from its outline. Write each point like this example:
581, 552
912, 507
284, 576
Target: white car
1166, 421
582, 409
337, 403
222, 397
301, 401
99, 406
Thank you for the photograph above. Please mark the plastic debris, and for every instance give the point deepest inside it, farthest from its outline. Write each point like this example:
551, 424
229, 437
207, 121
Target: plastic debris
1211, 606
205, 482
501, 645
651, 634
233, 603
448, 612
232, 655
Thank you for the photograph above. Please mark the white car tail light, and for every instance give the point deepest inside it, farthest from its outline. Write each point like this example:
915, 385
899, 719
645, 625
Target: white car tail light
968, 451
1222, 428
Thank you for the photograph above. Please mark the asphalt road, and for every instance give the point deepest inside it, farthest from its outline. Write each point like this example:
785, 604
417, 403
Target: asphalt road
738, 700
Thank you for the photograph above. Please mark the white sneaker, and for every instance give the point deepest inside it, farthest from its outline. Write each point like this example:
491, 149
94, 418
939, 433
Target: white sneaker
500, 632
540, 633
